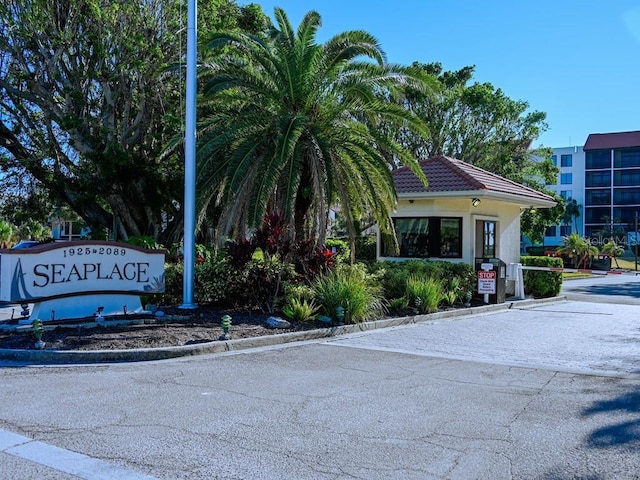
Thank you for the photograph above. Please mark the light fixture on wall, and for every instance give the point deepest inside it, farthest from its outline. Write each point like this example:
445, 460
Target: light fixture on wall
475, 202
410, 201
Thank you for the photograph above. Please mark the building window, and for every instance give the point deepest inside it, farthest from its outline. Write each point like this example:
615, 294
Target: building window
566, 160
597, 214
626, 158
566, 194
550, 231
598, 179
566, 178
629, 178
595, 159
626, 196
565, 230
427, 237
554, 160
598, 197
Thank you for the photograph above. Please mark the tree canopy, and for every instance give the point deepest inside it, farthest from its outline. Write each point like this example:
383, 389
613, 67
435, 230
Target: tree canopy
88, 104
295, 126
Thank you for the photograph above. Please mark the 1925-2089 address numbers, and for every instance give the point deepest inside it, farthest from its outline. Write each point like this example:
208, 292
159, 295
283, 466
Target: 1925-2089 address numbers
81, 251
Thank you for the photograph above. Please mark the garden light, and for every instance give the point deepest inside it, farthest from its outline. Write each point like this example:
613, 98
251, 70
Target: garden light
226, 326
340, 315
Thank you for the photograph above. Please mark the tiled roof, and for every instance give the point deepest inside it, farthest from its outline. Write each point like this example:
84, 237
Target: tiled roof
606, 141
447, 174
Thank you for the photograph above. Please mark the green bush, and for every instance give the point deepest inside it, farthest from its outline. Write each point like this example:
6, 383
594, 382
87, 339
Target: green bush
353, 289
260, 284
424, 293
211, 282
366, 248
542, 284
341, 247
394, 279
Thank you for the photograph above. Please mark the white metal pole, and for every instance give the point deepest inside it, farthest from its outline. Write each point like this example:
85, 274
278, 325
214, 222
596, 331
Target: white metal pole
190, 158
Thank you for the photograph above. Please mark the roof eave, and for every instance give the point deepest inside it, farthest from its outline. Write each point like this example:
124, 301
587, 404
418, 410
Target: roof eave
520, 200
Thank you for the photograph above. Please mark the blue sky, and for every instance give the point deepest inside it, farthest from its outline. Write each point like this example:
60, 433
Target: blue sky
576, 60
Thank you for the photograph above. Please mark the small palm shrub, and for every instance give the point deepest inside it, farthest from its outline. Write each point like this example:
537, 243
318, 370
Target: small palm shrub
353, 289
401, 303
425, 294
451, 290
300, 310
300, 305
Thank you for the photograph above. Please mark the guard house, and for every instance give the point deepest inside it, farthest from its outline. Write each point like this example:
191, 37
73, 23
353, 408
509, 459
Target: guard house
464, 213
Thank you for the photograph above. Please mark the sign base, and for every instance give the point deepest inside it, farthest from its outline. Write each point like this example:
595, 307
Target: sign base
84, 306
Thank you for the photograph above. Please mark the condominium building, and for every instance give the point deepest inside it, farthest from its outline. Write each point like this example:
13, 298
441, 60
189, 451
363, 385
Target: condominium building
603, 177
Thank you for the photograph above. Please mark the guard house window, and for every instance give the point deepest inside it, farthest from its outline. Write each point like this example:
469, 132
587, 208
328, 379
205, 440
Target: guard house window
427, 237
565, 230
550, 231
566, 160
489, 239
566, 178
554, 160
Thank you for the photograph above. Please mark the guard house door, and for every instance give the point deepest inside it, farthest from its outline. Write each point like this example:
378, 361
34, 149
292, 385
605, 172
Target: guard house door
486, 239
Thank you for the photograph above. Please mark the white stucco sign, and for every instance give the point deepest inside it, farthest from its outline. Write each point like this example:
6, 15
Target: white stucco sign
75, 278
68, 268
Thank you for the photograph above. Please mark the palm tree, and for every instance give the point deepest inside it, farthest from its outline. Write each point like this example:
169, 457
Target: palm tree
295, 126
578, 249
572, 212
613, 249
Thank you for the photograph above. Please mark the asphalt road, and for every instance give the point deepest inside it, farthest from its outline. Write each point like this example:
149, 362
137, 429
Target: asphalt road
549, 392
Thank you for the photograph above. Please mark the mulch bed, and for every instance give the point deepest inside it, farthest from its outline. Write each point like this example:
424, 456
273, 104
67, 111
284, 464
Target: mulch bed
182, 327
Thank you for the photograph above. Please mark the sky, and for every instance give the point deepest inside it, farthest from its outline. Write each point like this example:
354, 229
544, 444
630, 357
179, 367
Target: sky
576, 60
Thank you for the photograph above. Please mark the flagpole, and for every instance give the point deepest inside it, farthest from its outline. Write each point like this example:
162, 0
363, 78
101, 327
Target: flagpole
190, 158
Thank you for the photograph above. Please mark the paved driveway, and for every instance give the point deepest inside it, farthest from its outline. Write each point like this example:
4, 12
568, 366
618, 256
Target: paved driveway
544, 393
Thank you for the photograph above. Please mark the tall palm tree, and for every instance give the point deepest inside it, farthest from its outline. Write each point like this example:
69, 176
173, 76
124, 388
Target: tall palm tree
297, 126
571, 212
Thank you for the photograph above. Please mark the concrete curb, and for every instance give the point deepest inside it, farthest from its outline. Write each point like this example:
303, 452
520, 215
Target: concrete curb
61, 357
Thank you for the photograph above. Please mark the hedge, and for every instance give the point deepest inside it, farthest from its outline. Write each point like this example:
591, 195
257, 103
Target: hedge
542, 284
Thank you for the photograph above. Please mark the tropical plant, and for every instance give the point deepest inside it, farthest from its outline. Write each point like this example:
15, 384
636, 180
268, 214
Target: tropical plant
353, 289
613, 249
571, 213
294, 125
578, 249
300, 310
399, 303
425, 293
6, 234
451, 290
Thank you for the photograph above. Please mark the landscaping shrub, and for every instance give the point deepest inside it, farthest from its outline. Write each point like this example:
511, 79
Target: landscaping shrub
366, 248
173, 285
353, 289
542, 284
260, 284
211, 280
424, 293
394, 279
340, 248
